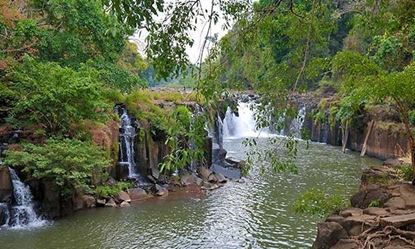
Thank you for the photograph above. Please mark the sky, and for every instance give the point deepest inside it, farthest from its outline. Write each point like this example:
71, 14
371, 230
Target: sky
198, 36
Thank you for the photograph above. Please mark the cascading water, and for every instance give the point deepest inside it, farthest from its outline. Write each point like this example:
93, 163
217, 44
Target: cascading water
297, 123
243, 125
127, 150
23, 213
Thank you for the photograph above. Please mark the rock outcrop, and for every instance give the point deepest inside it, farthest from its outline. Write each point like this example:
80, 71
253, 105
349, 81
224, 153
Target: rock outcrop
381, 216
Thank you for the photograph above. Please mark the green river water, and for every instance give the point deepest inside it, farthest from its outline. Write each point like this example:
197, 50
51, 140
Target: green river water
256, 213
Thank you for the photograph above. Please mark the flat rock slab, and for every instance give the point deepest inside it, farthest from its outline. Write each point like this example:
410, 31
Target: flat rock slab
376, 211
399, 220
351, 212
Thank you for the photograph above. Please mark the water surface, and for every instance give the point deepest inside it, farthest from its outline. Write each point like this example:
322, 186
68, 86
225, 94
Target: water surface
256, 213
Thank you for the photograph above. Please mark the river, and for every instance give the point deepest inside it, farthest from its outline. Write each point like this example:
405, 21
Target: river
255, 213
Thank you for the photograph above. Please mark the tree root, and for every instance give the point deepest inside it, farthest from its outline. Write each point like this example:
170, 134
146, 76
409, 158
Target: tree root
377, 237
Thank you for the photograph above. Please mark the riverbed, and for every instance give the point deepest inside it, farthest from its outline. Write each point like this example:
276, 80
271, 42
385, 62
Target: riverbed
253, 213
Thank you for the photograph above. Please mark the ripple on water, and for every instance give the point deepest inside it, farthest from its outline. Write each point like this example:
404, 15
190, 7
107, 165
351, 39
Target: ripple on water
254, 214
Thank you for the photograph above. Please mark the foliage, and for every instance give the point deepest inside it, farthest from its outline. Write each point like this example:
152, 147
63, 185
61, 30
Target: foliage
53, 96
106, 191
316, 202
68, 163
116, 76
375, 203
78, 30
406, 172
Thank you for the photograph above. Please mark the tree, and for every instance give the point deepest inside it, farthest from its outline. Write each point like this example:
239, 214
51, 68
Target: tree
55, 97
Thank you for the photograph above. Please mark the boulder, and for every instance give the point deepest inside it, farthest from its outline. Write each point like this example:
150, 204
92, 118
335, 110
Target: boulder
212, 178
161, 191
3, 213
328, 234
101, 202
6, 186
138, 194
88, 201
395, 203
111, 203
220, 178
365, 197
204, 173
189, 179
408, 195
125, 204
123, 196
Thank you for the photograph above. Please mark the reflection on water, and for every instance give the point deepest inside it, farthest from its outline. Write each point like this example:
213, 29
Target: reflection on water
253, 214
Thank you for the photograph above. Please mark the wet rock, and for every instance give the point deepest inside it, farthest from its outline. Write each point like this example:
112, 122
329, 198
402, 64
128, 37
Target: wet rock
125, 204
210, 186
189, 179
161, 191
111, 203
219, 155
101, 202
220, 178
138, 194
3, 214
88, 201
204, 172
123, 196
328, 234
212, 178
228, 172
111, 181
395, 203
6, 187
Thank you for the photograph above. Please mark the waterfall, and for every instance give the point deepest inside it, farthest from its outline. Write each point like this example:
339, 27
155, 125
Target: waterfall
243, 125
22, 213
127, 150
297, 123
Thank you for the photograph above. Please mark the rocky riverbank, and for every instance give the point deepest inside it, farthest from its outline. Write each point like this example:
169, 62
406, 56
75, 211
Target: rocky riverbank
382, 214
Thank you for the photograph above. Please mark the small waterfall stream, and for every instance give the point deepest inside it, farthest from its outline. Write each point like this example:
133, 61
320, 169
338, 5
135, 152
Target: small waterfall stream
127, 150
23, 213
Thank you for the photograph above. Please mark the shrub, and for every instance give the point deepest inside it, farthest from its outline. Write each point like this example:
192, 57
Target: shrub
106, 191
316, 202
406, 172
55, 96
68, 163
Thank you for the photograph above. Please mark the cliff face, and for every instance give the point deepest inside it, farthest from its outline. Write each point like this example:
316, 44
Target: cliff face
387, 138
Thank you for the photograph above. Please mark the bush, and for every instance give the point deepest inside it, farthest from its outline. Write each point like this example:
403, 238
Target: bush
68, 163
106, 191
406, 172
55, 97
316, 202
